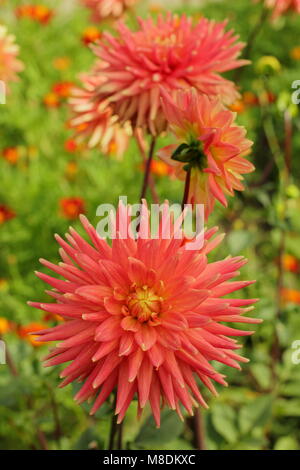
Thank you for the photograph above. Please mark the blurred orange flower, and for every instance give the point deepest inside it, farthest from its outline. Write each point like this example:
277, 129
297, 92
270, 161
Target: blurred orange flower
61, 63
90, 35
72, 207
40, 13
71, 169
250, 99
290, 295
51, 100
6, 213
237, 107
295, 53
71, 145
290, 263
5, 325
161, 168
43, 14
63, 89
24, 332
11, 154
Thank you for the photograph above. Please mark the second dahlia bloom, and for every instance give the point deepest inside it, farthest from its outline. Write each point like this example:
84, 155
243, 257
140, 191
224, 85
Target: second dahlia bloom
280, 7
168, 54
210, 145
93, 121
103, 9
143, 317
10, 65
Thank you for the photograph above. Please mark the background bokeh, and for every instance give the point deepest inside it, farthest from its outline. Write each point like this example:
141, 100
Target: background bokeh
41, 168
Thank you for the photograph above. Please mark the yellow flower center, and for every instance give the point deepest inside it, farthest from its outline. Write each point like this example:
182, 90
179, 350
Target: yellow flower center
144, 304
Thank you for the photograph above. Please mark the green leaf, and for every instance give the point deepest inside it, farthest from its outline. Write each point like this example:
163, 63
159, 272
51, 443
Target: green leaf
262, 374
224, 422
238, 241
255, 414
286, 443
149, 436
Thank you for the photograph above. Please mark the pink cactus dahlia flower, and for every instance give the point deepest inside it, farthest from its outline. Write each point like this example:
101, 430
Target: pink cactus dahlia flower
93, 120
103, 9
143, 317
210, 146
280, 7
170, 54
9, 64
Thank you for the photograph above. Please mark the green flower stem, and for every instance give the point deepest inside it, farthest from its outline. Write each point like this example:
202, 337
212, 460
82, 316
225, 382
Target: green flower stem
148, 169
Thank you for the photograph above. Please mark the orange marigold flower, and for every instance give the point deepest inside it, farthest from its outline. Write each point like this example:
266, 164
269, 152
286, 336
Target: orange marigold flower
237, 107
61, 63
24, 332
71, 169
72, 207
210, 146
295, 53
5, 326
11, 154
71, 145
63, 89
42, 13
250, 99
51, 100
90, 34
290, 295
290, 263
6, 213
161, 168
25, 11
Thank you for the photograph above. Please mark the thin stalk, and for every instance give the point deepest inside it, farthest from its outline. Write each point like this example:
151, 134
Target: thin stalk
148, 169
186, 188
141, 145
116, 430
199, 430
252, 38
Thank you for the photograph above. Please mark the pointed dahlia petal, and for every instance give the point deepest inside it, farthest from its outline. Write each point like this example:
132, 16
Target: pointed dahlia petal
146, 337
144, 379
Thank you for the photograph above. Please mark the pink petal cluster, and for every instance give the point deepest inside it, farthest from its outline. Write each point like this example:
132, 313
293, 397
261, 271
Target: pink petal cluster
221, 145
168, 54
280, 7
10, 66
144, 316
103, 9
93, 120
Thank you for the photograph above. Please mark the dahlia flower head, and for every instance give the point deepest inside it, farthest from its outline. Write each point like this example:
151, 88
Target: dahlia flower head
92, 119
210, 145
10, 66
280, 7
108, 9
168, 54
144, 316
